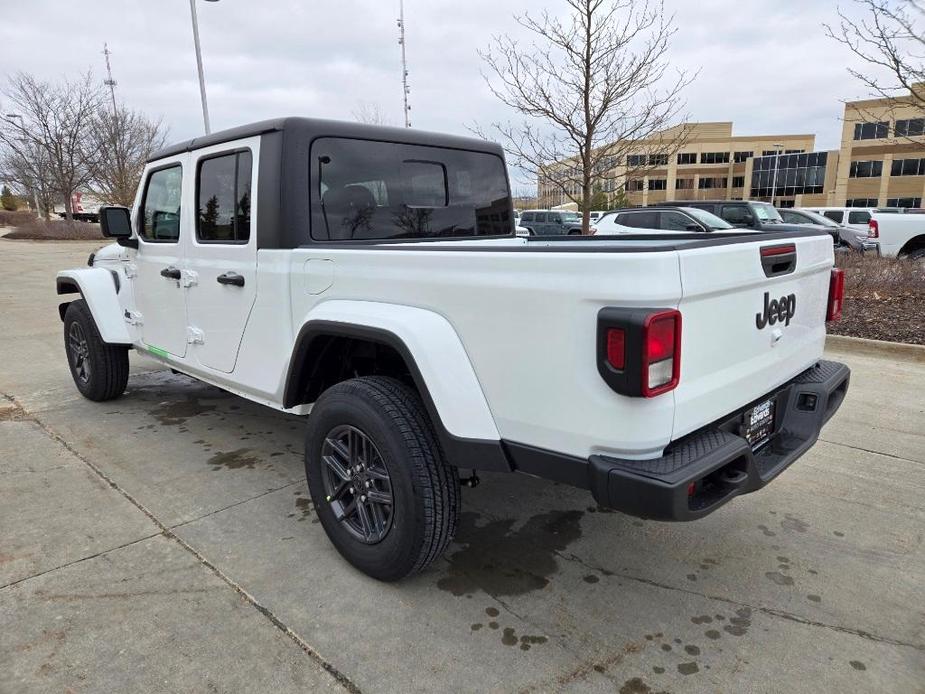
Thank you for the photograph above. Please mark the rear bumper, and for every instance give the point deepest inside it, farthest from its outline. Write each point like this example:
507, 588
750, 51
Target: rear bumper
717, 460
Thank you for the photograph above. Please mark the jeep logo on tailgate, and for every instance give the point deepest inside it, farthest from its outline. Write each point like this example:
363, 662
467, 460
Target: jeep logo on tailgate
776, 310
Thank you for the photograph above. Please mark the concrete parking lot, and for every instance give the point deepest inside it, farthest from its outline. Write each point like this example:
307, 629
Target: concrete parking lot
166, 542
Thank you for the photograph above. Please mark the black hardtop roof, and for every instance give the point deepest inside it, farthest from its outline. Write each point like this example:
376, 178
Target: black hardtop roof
318, 127
694, 203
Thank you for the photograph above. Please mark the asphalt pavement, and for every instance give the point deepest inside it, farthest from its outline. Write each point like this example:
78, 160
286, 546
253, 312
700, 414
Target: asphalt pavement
165, 541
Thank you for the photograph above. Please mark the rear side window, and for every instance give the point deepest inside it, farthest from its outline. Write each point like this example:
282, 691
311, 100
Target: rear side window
364, 190
638, 220
834, 215
160, 206
223, 198
862, 217
526, 217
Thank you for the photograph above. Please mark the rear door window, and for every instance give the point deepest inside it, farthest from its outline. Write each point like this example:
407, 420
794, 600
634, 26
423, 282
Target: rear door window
223, 198
365, 190
862, 217
736, 214
160, 206
639, 220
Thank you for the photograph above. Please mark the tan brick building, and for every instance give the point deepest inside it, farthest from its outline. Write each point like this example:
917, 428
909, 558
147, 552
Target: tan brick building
881, 162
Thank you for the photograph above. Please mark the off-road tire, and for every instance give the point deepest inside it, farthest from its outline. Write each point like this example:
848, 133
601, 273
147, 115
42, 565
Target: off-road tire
107, 375
425, 489
917, 254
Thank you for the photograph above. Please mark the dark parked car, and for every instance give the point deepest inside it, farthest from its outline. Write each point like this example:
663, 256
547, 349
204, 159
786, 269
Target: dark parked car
840, 233
745, 214
551, 222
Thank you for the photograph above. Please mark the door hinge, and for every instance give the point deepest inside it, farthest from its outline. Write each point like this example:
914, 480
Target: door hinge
132, 317
194, 336
189, 278
131, 270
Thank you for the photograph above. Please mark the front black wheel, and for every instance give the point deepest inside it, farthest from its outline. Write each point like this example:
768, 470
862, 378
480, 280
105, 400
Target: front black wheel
383, 493
100, 370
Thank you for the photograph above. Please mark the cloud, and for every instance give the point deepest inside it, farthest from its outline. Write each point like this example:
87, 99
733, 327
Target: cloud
764, 64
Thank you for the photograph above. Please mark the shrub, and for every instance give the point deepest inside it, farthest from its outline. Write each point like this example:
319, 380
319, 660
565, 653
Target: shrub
56, 230
14, 219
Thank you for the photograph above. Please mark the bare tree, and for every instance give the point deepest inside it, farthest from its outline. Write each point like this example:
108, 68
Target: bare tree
123, 140
371, 113
52, 132
592, 89
890, 41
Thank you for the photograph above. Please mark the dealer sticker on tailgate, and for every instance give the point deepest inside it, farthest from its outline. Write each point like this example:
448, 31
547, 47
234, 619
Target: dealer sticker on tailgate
758, 424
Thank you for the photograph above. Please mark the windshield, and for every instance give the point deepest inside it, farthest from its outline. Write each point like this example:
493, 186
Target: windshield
765, 212
708, 219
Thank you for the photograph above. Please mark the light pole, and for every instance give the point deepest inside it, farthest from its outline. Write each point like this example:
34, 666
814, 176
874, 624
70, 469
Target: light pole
779, 147
202, 79
22, 127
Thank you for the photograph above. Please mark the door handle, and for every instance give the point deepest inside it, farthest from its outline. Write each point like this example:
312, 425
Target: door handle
170, 273
231, 278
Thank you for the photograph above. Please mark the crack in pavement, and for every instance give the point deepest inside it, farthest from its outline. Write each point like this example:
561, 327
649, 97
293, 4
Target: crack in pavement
326, 665
236, 503
868, 450
770, 611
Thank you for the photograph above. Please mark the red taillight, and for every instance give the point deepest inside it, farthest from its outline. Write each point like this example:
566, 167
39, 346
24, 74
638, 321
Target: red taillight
873, 229
836, 295
616, 348
661, 357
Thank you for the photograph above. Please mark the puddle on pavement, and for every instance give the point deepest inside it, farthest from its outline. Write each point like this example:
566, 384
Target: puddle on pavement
234, 460
503, 561
177, 412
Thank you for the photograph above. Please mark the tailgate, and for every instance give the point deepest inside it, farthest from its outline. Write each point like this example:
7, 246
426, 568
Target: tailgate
731, 354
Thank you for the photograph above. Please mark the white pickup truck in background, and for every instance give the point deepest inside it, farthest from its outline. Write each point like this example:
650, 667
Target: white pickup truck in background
892, 235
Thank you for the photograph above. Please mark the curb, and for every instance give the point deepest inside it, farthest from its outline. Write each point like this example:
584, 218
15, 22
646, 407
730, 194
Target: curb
876, 348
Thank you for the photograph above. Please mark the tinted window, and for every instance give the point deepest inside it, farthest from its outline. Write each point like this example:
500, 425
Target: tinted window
793, 217
223, 198
638, 220
160, 208
687, 158
736, 214
910, 128
381, 190
834, 215
674, 221
870, 131
858, 217
526, 217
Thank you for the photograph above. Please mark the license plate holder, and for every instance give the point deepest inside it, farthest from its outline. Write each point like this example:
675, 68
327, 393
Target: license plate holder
758, 424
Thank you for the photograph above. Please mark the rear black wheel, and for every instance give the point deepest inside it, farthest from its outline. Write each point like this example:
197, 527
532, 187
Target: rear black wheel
384, 495
100, 370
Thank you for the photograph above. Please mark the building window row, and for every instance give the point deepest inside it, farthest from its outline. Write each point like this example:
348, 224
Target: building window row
658, 184
871, 131
910, 127
866, 169
738, 181
908, 167
646, 159
739, 157
714, 157
904, 202
707, 183
684, 184
635, 184
861, 202
687, 157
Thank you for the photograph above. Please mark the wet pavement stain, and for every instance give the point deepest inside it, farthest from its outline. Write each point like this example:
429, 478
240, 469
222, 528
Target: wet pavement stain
857, 665
794, 523
688, 668
635, 686
666, 647
304, 504
767, 531
814, 598
838, 533
503, 561
739, 625
475, 627
492, 611
691, 577
591, 578
527, 641
174, 413
234, 460
702, 619
658, 670
779, 578
493, 625
712, 634
691, 650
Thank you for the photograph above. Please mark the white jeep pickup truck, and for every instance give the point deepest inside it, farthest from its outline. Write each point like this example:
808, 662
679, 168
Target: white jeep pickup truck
370, 278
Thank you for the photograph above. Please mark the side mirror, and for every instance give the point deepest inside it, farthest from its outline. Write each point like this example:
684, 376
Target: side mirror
116, 223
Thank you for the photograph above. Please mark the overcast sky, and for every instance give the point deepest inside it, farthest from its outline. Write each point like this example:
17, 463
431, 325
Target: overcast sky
764, 64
